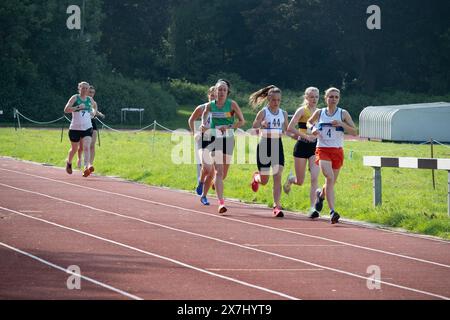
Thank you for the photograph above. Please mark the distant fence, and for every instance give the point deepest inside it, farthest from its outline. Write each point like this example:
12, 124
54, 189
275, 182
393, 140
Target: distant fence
377, 163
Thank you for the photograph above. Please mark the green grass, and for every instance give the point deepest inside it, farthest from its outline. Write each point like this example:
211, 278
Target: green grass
409, 201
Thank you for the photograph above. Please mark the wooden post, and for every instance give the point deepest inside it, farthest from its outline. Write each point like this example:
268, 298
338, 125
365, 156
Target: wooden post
377, 186
432, 170
448, 194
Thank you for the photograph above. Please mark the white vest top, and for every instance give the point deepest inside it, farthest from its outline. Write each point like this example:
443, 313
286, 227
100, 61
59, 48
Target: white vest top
275, 123
81, 120
330, 137
198, 123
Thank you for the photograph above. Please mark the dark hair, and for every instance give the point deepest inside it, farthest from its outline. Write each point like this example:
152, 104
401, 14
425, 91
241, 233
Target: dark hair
226, 82
91, 87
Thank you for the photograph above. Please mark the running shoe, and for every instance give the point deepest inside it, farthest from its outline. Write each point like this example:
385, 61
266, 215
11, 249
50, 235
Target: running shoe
68, 168
319, 201
313, 214
204, 201
255, 184
277, 212
289, 181
334, 217
222, 209
91, 169
199, 188
86, 172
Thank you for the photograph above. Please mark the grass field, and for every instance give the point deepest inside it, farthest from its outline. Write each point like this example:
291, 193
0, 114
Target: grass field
409, 200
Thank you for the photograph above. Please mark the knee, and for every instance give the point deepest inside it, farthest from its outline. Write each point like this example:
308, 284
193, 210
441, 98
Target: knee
219, 174
300, 181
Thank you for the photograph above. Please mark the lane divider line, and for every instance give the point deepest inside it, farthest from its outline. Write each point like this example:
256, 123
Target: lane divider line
104, 285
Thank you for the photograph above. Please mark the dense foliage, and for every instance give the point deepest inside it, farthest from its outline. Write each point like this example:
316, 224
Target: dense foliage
291, 43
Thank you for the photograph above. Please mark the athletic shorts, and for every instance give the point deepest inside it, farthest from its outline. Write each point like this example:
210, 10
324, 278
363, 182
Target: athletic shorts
76, 135
269, 153
94, 123
205, 141
226, 144
304, 149
335, 155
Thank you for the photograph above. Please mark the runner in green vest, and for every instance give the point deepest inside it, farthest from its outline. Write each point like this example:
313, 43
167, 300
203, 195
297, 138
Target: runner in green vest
221, 134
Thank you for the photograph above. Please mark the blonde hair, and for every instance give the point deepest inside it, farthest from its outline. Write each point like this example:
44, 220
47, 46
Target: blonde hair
332, 89
83, 83
259, 97
307, 91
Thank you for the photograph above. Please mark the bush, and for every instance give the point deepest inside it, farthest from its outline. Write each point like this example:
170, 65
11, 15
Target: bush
115, 92
187, 93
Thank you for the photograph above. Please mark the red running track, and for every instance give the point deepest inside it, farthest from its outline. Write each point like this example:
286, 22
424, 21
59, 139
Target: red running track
132, 241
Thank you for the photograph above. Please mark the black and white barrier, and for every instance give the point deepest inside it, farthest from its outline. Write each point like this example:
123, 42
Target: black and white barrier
377, 163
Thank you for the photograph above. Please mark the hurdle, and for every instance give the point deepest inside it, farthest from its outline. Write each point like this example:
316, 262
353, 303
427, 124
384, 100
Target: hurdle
377, 162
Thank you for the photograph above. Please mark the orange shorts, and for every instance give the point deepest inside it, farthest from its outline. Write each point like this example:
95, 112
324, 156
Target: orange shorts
335, 155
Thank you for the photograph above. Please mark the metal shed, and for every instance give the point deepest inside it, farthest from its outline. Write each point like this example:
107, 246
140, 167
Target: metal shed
409, 122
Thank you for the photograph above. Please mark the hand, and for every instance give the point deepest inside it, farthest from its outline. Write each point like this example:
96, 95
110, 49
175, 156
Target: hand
264, 124
310, 138
315, 131
336, 123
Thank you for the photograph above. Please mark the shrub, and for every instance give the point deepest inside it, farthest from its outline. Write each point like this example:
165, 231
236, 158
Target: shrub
115, 92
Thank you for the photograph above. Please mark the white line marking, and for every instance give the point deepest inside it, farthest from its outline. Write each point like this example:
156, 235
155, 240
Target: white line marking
129, 295
241, 221
293, 245
266, 270
157, 256
219, 240
323, 228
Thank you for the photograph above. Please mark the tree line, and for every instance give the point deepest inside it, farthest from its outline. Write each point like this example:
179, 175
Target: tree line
125, 45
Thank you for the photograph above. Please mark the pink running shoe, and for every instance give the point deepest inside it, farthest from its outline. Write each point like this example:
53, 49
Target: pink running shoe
255, 184
277, 212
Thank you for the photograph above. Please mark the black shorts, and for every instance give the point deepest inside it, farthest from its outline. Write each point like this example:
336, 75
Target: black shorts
304, 149
226, 145
206, 141
94, 123
76, 135
269, 152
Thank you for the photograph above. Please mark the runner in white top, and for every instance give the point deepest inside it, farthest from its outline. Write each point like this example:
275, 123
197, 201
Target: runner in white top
80, 105
206, 177
332, 122
270, 122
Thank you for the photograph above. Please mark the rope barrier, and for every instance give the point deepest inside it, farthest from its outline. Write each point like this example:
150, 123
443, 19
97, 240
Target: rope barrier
38, 122
154, 124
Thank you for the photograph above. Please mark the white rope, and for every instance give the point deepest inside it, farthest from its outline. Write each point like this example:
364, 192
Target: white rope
391, 150
129, 131
440, 143
37, 122
161, 126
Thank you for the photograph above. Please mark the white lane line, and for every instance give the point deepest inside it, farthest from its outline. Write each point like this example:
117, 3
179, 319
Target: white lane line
324, 228
242, 221
266, 270
104, 285
247, 284
228, 242
292, 245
